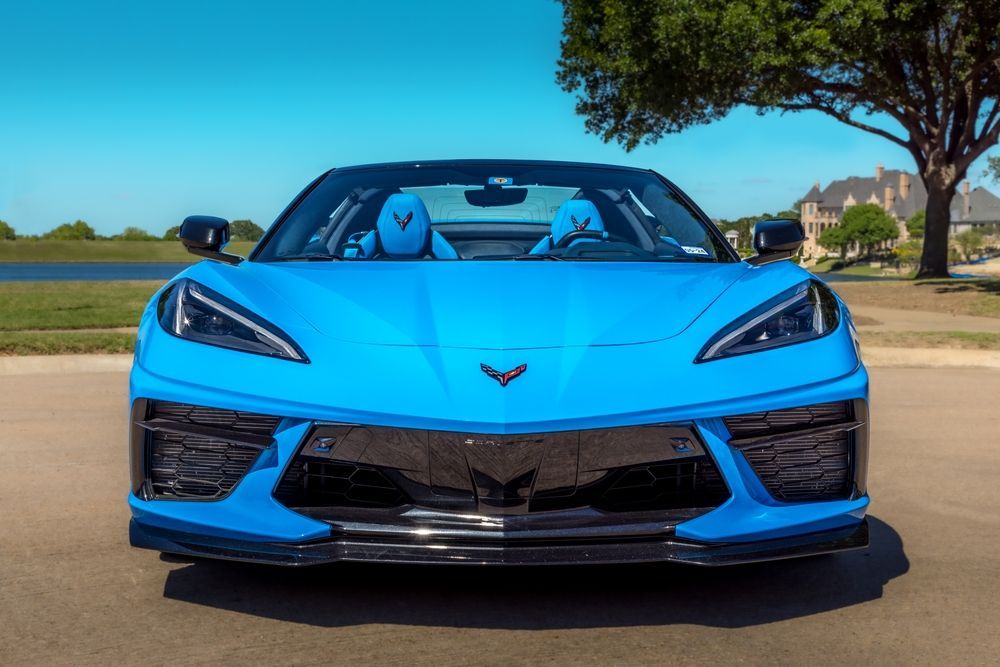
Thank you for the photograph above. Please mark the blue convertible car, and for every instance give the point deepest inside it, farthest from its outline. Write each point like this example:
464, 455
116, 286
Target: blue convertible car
502, 362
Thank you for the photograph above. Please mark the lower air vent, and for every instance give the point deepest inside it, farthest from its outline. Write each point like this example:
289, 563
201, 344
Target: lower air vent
801, 454
312, 483
195, 452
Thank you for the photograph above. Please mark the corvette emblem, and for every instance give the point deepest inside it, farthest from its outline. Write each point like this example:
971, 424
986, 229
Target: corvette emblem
402, 222
503, 378
579, 225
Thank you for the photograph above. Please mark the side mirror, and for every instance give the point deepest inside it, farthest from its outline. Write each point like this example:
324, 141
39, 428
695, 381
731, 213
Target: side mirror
776, 239
206, 236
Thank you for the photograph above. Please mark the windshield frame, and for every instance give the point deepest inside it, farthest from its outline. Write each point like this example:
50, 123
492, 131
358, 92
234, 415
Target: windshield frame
730, 254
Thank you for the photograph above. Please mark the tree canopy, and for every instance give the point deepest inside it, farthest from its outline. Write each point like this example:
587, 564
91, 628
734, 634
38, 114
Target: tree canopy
136, 234
171, 233
77, 231
245, 230
915, 225
868, 225
7, 232
644, 69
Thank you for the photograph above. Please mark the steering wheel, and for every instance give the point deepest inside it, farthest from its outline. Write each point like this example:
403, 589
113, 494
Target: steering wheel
592, 234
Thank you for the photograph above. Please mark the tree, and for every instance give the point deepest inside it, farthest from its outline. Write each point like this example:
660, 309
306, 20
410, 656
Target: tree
868, 225
644, 69
836, 237
909, 252
245, 230
136, 234
7, 232
171, 234
969, 242
915, 225
78, 231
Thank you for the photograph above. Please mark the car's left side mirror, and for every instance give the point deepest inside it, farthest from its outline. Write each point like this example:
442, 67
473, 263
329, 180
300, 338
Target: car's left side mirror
206, 236
776, 239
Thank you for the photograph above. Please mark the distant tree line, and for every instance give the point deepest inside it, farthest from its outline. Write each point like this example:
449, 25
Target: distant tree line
745, 225
240, 230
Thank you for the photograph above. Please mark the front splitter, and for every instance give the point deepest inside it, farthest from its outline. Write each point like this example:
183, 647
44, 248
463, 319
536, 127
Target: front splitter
509, 552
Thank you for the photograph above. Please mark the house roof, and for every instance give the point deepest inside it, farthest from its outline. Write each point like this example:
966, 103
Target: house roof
983, 207
860, 189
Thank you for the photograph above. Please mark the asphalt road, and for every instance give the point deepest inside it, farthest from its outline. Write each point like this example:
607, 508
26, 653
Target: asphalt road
926, 592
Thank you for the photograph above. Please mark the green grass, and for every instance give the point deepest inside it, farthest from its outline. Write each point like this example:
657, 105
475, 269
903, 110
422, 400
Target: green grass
966, 340
73, 305
28, 250
22, 343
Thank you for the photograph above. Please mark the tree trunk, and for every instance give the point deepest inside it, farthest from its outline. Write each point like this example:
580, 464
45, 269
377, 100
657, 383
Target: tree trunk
934, 261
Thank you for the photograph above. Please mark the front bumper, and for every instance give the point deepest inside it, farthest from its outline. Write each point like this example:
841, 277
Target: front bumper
653, 549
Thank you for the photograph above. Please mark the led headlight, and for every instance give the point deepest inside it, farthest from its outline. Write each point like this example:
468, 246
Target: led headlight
805, 312
192, 311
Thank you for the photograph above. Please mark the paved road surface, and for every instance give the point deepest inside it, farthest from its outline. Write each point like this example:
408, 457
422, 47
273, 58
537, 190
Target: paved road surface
927, 591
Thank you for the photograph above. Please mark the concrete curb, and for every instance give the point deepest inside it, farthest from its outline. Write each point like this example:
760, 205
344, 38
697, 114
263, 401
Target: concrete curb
59, 364
875, 357
926, 357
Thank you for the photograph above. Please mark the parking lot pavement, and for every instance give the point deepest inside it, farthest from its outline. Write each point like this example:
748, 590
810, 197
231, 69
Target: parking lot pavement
927, 592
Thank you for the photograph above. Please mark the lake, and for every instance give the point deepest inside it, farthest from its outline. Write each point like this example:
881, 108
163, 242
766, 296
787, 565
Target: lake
31, 271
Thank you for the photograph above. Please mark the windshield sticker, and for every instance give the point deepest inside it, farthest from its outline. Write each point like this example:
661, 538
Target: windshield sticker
500, 180
694, 250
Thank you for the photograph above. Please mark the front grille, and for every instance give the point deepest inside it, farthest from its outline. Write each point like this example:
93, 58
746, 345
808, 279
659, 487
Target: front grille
182, 463
662, 467
337, 484
800, 454
667, 485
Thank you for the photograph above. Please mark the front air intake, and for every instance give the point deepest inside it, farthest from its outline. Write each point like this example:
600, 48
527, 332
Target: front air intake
815, 452
182, 451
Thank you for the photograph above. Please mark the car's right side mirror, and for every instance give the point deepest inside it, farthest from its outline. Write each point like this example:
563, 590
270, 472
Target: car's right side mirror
206, 236
776, 239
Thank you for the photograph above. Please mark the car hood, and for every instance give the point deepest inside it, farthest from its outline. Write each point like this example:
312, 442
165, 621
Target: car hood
490, 305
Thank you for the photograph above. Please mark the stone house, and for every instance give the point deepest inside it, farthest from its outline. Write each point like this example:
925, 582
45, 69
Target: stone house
899, 193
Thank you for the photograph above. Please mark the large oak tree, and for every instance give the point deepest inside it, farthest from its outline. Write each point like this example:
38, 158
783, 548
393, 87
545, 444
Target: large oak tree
930, 71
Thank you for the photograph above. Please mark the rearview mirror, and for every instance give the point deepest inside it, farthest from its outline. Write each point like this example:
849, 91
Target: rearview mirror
494, 195
776, 239
206, 236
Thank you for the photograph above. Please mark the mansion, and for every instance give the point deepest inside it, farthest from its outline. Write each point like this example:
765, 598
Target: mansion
900, 193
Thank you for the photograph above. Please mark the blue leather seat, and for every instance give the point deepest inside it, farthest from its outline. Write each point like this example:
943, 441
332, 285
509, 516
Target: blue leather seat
402, 231
574, 215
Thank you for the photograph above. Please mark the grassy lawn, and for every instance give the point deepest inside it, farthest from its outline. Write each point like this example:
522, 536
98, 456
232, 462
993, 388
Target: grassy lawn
73, 305
966, 340
22, 342
27, 250
957, 297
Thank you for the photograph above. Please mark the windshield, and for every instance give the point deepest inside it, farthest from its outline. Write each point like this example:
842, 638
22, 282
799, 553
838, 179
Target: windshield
500, 211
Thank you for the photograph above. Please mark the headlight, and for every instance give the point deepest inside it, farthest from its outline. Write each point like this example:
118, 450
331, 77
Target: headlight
192, 311
806, 312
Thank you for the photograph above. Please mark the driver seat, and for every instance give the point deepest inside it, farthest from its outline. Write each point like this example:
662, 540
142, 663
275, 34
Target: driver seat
574, 215
403, 231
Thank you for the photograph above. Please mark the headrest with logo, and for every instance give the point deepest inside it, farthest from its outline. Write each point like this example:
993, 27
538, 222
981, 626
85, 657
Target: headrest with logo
404, 227
576, 215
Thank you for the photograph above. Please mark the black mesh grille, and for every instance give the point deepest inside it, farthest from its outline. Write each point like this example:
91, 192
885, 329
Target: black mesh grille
799, 466
668, 485
181, 465
337, 484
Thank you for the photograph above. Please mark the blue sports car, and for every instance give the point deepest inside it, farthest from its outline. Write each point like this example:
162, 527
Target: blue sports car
504, 362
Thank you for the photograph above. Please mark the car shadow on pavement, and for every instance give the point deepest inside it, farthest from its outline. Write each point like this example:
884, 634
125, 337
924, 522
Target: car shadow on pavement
546, 597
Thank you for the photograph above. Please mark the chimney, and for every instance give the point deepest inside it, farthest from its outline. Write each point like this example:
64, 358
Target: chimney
878, 171
904, 184
966, 203
890, 197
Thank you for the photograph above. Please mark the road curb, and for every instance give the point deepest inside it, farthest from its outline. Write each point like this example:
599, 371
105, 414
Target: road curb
927, 357
59, 364
875, 357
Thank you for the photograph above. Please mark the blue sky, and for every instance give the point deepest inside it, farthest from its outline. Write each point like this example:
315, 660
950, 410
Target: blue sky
134, 113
